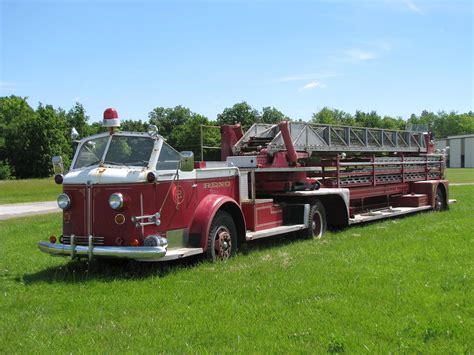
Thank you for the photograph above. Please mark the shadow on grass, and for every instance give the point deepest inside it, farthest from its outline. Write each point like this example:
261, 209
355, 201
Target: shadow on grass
106, 270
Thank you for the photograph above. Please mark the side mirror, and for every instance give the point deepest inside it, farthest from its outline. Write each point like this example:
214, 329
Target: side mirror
74, 134
58, 166
186, 162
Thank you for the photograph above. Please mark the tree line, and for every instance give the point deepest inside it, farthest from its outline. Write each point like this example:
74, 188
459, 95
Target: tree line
29, 137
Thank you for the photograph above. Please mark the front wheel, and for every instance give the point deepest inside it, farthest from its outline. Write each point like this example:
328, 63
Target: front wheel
317, 221
222, 238
440, 201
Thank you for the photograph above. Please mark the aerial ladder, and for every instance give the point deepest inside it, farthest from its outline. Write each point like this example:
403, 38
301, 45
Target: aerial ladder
380, 167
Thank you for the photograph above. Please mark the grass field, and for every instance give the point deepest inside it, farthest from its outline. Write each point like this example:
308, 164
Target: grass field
33, 190
402, 285
465, 175
28, 190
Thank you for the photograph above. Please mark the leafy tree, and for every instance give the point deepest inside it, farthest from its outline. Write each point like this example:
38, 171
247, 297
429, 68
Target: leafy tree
76, 117
133, 126
241, 113
188, 136
12, 108
55, 141
450, 124
371, 119
168, 119
181, 128
324, 116
95, 128
332, 116
445, 124
393, 123
30, 138
272, 115
5, 171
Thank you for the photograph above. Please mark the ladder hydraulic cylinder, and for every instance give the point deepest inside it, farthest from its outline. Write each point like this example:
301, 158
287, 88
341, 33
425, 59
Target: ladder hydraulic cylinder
290, 148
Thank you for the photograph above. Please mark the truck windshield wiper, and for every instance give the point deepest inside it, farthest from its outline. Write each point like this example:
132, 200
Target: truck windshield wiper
91, 151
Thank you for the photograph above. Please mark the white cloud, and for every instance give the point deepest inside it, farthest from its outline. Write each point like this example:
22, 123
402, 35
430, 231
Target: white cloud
411, 5
360, 55
312, 85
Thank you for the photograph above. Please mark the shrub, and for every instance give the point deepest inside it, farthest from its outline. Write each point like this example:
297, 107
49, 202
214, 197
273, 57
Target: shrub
5, 171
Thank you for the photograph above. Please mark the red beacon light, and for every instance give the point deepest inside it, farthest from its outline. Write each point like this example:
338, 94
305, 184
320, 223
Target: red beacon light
111, 119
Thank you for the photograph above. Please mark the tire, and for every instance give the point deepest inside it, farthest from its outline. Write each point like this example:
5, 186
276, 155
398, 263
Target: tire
222, 238
440, 201
317, 222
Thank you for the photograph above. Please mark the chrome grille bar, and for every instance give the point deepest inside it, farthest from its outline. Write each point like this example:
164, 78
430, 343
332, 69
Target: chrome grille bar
82, 240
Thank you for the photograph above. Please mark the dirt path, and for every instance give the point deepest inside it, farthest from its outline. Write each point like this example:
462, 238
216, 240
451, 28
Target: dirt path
27, 209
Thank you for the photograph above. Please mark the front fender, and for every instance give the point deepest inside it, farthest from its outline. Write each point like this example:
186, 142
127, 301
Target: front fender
205, 212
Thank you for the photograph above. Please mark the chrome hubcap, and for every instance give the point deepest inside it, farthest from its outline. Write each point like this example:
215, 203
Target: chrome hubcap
223, 243
438, 203
316, 225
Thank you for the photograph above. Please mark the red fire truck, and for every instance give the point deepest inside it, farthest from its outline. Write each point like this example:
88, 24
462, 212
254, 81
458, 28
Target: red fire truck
131, 195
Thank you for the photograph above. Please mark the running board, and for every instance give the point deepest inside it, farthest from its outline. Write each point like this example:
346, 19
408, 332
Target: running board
274, 231
386, 213
178, 253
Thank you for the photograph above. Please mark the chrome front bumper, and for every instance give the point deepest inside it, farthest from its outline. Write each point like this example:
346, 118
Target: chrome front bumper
138, 253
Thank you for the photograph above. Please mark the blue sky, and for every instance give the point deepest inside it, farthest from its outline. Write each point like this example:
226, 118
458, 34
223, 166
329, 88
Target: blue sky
394, 56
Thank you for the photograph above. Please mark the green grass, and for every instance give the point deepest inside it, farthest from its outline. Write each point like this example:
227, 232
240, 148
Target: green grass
464, 175
402, 285
29, 190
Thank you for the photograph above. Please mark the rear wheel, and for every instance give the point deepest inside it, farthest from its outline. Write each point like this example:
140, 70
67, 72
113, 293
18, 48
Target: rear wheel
317, 221
222, 238
440, 201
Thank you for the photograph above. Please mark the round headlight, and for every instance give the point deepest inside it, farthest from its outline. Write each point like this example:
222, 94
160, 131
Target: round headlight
116, 201
64, 201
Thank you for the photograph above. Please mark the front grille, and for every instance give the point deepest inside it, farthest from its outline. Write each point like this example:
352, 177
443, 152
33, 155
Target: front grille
80, 240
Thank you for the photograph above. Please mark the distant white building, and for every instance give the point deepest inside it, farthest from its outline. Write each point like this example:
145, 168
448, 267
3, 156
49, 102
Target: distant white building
461, 150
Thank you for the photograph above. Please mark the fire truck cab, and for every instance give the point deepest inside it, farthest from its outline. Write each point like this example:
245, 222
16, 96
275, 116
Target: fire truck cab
131, 195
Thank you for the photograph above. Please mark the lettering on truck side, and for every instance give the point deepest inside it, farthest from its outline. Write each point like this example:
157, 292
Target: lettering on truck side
210, 185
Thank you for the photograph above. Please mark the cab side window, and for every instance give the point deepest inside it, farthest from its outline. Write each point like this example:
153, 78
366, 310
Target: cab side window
168, 158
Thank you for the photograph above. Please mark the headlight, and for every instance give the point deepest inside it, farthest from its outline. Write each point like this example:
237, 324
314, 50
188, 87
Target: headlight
116, 201
64, 201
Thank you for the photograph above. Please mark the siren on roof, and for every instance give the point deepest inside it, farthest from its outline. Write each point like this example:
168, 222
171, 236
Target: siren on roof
110, 118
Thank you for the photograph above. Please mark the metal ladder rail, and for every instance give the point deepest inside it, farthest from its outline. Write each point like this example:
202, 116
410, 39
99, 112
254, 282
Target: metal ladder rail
333, 138
383, 171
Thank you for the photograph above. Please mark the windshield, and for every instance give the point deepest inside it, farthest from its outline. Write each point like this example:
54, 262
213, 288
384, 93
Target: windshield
91, 152
123, 150
129, 150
